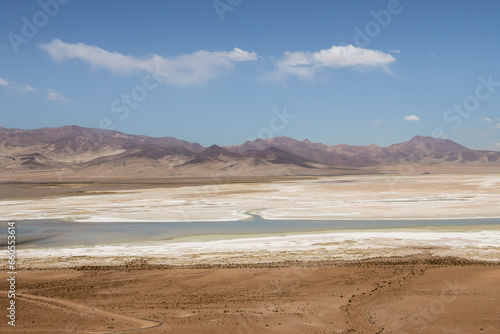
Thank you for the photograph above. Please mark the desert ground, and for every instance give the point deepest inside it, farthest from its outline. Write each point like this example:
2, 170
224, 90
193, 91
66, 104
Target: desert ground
411, 280
418, 294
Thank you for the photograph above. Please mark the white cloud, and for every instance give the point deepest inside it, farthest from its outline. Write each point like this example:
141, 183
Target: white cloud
497, 126
431, 54
413, 118
28, 88
306, 65
183, 70
489, 120
395, 51
54, 95
16, 88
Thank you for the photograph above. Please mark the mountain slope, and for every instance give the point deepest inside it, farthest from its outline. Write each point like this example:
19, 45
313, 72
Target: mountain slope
212, 153
76, 140
278, 156
91, 153
418, 150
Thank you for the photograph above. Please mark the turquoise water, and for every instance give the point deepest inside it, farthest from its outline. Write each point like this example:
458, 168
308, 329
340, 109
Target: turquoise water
54, 233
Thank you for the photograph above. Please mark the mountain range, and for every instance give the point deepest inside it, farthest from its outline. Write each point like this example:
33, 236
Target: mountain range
73, 152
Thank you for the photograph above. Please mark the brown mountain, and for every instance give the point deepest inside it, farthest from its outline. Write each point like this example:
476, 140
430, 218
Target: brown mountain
212, 153
419, 150
278, 156
331, 155
74, 140
73, 144
76, 152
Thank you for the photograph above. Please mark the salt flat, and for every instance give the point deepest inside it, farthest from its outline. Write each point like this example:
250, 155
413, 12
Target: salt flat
374, 197
340, 245
369, 197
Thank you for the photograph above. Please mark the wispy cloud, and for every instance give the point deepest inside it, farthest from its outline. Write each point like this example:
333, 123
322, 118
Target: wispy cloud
29, 88
54, 95
306, 65
497, 126
395, 51
412, 118
16, 88
183, 70
489, 120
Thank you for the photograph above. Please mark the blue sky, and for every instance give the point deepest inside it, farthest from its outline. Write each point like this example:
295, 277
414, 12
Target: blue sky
226, 71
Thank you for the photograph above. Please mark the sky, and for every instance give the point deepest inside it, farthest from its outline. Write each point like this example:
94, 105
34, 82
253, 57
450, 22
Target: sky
226, 71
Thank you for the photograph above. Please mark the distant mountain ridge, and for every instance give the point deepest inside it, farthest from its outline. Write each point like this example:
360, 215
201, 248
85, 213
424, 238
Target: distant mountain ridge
419, 149
86, 152
76, 139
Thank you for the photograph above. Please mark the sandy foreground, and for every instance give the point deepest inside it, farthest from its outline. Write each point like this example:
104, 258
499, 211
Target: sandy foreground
412, 280
417, 294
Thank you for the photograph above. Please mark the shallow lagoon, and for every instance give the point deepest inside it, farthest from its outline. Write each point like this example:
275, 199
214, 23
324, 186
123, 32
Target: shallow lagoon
53, 233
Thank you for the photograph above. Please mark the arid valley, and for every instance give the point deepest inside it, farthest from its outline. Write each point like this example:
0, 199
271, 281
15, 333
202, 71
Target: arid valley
244, 167
360, 250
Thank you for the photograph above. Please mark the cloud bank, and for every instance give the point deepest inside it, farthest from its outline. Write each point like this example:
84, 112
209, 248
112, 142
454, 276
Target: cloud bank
183, 70
203, 66
306, 65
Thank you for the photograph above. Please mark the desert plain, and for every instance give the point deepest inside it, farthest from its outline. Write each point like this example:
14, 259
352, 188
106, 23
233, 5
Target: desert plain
357, 197
407, 279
